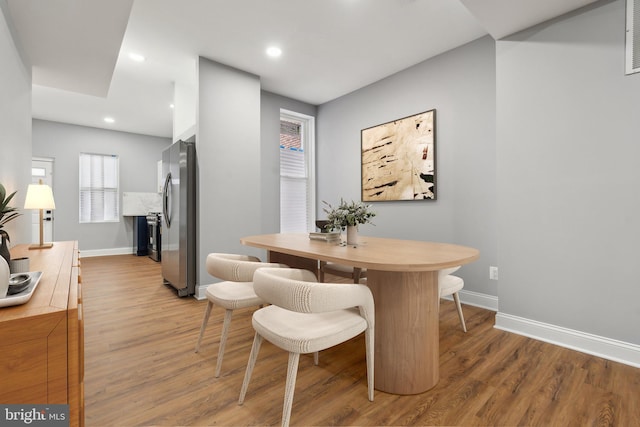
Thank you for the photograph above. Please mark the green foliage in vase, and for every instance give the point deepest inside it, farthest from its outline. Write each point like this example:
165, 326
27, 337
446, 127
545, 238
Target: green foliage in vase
346, 214
7, 213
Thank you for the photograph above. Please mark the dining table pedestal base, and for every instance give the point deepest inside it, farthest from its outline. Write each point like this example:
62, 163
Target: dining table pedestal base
406, 359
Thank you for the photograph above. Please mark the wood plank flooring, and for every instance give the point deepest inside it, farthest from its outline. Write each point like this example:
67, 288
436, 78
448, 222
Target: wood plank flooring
141, 369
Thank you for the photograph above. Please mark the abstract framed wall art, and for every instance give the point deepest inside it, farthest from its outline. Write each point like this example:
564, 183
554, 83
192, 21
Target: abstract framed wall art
399, 159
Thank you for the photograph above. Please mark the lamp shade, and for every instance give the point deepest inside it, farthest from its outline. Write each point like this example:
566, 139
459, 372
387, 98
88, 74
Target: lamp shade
39, 196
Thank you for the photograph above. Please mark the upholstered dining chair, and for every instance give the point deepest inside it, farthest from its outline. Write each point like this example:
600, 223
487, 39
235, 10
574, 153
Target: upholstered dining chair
353, 273
307, 317
234, 292
449, 284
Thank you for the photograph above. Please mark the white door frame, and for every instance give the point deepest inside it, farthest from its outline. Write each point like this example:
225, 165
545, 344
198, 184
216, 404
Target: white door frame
42, 169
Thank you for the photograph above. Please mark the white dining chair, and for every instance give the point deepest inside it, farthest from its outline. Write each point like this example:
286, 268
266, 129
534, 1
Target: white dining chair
234, 292
449, 284
307, 317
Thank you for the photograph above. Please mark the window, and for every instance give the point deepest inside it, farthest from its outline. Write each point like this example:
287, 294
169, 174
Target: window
297, 176
39, 172
632, 46
99, 195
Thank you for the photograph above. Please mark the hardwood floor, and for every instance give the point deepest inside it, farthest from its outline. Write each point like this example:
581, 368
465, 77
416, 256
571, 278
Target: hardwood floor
141, 369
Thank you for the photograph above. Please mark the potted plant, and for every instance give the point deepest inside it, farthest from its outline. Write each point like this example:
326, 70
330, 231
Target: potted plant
7, 213
349, 216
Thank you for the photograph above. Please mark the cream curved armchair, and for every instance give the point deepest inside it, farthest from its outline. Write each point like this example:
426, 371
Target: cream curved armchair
450, 285
307, 317
234, 292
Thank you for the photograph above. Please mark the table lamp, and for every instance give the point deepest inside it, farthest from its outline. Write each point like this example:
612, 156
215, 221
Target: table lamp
40, 196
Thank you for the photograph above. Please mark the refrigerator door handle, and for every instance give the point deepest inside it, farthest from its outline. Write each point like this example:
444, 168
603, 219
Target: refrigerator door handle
166, 205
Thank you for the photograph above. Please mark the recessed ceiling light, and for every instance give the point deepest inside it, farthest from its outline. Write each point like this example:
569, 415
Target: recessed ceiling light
274, 51
171, 106
109, 119
136, 57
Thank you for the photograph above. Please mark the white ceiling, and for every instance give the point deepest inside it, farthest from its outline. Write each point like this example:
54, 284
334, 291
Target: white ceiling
82, 72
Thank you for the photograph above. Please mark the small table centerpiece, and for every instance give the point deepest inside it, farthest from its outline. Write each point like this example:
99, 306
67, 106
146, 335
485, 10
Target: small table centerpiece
348, 216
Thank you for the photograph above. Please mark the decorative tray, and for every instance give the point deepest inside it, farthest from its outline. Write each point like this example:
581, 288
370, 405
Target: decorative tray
25, 294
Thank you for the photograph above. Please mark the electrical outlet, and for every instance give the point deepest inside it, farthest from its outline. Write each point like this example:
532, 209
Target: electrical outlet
493, 273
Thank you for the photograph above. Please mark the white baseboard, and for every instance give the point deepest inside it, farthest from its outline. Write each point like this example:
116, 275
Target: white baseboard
200, 292
477, 299
607, 348
87, 253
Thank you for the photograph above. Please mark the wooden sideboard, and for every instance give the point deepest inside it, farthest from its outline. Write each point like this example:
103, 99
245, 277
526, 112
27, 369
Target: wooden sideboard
41, 342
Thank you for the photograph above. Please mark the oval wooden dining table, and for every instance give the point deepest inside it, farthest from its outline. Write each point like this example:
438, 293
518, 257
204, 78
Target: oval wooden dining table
403, 277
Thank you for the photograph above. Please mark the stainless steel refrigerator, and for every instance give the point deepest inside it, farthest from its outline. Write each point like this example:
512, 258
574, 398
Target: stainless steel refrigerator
179, 216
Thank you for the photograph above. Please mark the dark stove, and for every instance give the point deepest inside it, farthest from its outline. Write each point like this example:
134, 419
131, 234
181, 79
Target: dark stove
155, 235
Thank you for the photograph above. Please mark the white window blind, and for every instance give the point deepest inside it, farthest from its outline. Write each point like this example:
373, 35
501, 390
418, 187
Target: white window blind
293, 190
633, 37
99, 192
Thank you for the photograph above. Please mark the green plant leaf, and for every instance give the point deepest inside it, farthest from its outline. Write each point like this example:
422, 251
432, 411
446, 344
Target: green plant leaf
7, 213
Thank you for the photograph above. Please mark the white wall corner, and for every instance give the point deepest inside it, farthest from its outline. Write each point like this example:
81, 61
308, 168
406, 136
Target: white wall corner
201, 292
607, 348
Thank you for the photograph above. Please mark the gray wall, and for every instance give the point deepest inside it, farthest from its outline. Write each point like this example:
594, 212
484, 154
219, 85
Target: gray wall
15, 123
537, 156
569, 212
270, 143
228, 151
238, 139
138, 156
460, 85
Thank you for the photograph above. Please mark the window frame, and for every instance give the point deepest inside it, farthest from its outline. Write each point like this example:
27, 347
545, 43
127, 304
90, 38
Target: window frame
307, 135
103, 189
